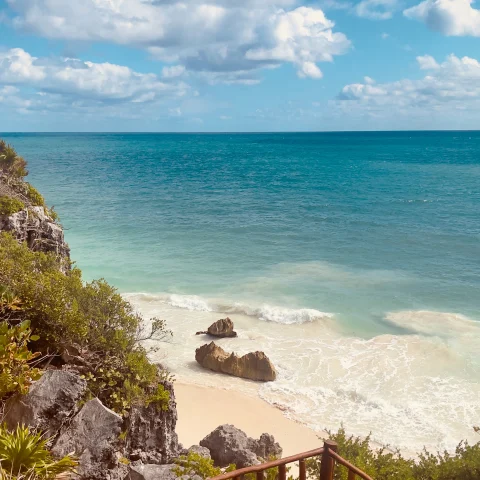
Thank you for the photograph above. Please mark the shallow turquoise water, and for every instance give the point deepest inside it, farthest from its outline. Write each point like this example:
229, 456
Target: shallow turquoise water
351, 259
356, 224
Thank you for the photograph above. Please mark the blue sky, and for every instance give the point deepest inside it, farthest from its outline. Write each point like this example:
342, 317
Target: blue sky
239, 65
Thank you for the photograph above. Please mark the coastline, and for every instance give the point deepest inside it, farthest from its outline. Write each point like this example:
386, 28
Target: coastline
202, 409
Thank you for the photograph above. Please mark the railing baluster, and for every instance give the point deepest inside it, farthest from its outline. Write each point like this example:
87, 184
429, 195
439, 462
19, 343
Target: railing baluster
302, 467
351, 475
327, 466
282, 472
260, 475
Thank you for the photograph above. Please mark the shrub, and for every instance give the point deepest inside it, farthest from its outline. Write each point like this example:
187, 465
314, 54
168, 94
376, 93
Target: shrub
383, 464
10, 205
194, 464
92, 318
23, 454
11, 164
34, 195
16, 372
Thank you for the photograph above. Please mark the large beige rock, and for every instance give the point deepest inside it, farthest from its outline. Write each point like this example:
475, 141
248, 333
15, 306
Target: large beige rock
254, 366
221, 328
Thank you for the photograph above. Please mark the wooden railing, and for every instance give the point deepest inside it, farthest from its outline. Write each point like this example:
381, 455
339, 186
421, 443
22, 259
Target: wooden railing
327, 467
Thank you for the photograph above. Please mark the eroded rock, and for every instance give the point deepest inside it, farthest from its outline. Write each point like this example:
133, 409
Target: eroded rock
221, 328
254, 366
228, 444
51, 401
93, 436
33, 226
151, 432
151, 472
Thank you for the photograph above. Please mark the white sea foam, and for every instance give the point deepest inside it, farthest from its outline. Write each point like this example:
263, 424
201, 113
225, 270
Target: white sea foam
428, 322
409, 390
269, 313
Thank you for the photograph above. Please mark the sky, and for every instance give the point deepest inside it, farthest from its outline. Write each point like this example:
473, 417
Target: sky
239, 65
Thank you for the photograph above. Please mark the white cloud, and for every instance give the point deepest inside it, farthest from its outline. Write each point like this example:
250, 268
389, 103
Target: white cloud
451, 85
376, 9
221, 37
173, 71
303, 36
449, 17
72, 82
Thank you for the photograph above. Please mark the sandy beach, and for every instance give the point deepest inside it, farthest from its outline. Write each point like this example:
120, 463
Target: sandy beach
201, 410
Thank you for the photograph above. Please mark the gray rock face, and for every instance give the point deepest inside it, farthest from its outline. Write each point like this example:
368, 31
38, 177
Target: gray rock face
151, 472
151, 432
228, 444
221, 328
254, 366
38, 230
51, 401
93, 436
202, 451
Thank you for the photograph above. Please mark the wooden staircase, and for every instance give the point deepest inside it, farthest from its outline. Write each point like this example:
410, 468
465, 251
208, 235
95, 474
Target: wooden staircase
329, 455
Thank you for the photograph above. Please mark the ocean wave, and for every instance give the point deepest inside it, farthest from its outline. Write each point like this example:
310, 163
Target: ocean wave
427, 322
269, 313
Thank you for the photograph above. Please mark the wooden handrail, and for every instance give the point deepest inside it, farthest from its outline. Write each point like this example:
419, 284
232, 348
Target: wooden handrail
329, 457
351, 468
272, 464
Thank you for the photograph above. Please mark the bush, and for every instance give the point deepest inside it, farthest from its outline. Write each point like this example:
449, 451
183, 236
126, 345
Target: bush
11, 164
34, 195
23, 454
9, 205
91, 318
383, 464
16, 372
194, 464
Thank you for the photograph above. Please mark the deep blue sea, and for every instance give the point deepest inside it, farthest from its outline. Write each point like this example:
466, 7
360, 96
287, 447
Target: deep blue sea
377, 232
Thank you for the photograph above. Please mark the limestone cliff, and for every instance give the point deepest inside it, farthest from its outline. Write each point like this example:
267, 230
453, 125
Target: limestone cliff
33, 225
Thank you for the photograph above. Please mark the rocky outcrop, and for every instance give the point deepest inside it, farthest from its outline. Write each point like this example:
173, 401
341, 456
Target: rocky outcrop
151, 472
197, 449
151, 432
221, 328
254, 366
51, 401
33, 226
92, 436
227, 444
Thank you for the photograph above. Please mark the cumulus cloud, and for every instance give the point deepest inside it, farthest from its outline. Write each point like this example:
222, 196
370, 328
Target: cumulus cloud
449, 17
452, 84
76, 83
221, 37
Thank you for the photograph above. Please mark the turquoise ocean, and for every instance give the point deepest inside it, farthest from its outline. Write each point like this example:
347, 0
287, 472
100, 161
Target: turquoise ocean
351, 259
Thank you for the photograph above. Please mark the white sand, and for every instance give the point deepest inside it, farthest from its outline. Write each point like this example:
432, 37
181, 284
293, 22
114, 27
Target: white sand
201, 410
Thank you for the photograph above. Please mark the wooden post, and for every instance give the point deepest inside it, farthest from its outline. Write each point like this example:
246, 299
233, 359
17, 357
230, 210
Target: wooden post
326, 469
282, 472
260, 475
302, 470
351, 475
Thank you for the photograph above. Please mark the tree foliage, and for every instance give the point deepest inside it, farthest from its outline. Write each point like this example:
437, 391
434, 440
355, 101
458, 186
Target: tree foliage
91, 319
12, 165
10, 205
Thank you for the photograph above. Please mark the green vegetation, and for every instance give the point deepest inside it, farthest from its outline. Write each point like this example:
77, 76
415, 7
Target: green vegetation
383, 464
92, 319
9, 205
195, 464
24, 455
34, 195
16, 371
11, 164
